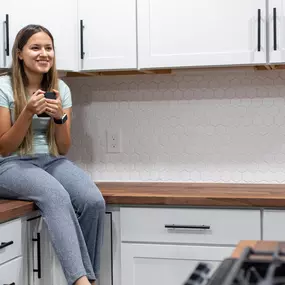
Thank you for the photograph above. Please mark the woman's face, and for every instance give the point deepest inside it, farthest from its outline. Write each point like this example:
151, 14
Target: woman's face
38, 53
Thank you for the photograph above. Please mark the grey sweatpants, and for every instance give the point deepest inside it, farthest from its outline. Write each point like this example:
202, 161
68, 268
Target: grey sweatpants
71, 206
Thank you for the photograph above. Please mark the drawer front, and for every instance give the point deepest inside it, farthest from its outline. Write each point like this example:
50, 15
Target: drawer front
10, 240
12, 272
167, 264
273, 221
199, 226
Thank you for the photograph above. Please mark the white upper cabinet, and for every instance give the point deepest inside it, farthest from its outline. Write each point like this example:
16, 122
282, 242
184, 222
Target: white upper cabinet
181, 33
93, 35
276, 36
108, 34
4, 34
60, 21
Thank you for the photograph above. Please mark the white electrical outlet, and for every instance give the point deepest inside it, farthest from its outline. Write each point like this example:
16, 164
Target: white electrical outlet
113, 141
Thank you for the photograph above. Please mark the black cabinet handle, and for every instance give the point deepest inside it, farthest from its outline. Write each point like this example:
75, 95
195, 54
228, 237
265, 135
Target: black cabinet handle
7, 49
258, 30
13, 283
111, 246
5, 244
196, 227
81, 40
39, 270
274, 29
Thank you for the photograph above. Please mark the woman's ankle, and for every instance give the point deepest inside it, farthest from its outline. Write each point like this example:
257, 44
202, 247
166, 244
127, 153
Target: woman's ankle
82, 281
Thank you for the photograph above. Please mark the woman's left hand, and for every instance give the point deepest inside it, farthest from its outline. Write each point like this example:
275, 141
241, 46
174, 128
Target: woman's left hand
54, 107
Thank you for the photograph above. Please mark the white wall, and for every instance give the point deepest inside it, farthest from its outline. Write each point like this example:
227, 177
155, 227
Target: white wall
216, 126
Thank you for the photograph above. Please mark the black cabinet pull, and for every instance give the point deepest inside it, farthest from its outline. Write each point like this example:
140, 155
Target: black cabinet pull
195, 227
13, 283
81, 40
5, 244
39, 270
258, 30
7, 49
274, 29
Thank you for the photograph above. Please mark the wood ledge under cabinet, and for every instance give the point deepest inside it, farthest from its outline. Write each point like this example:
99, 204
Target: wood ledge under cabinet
172, 70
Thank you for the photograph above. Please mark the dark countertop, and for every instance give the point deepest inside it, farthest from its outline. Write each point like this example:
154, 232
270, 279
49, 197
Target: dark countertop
174, 193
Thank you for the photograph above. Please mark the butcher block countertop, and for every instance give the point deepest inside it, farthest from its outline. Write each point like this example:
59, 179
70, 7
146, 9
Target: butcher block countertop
11, 209
173, 194
194, 194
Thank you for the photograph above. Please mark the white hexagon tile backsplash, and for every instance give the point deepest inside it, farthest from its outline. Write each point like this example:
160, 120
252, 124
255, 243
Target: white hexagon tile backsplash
217, 126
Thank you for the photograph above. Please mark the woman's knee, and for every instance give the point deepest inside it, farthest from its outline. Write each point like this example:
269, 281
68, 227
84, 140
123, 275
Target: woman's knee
95, 200
56, 199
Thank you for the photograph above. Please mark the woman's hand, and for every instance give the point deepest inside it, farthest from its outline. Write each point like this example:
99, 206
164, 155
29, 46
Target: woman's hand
37, 103
54, 107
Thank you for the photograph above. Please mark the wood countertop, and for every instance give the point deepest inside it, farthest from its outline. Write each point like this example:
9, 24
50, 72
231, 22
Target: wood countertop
194, 194
173, 194
11, 209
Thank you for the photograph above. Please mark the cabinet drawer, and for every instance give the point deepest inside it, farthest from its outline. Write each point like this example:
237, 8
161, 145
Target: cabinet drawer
12, 272
10, 240
166, 264
180, 225
273, 221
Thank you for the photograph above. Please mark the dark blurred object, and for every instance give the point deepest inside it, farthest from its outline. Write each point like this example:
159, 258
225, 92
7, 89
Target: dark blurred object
251, 268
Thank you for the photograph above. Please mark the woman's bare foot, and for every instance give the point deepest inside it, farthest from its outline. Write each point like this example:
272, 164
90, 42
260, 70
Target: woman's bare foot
82, 281
93, 283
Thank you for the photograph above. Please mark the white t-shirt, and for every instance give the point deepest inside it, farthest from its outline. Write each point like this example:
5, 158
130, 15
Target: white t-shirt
39, 124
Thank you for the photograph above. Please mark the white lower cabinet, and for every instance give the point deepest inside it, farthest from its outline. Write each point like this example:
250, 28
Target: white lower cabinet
39, 252
44, 266
10, 240
106, 258
142, 245
273, 221
154, 264
189, 225
164, 245
12, 253
11, 273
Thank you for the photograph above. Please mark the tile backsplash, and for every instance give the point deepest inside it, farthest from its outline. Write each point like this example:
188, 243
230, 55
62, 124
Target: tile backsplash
214, 126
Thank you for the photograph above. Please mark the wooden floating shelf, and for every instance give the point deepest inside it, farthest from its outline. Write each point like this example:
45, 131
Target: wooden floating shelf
171, 71
163, 71
122, 72
270, 67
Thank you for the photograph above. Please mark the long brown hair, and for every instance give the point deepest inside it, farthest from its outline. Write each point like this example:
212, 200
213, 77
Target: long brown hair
20, 83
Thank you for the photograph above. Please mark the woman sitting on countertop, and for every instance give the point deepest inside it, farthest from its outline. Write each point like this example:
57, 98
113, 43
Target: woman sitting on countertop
34, 139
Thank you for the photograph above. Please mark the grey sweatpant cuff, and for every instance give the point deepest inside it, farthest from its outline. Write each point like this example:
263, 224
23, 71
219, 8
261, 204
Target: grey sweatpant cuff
72, 279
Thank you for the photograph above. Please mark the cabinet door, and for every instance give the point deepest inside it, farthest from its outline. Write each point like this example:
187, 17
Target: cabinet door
12, 272
276, 36
109, 34
39, 250
166, 264
62, 25
273, 228
106, 265
174, 33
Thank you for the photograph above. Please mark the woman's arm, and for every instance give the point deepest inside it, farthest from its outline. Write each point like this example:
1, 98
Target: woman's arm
12, 136
62, 134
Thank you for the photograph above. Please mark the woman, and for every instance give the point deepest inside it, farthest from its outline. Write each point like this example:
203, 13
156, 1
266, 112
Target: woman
34, 137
